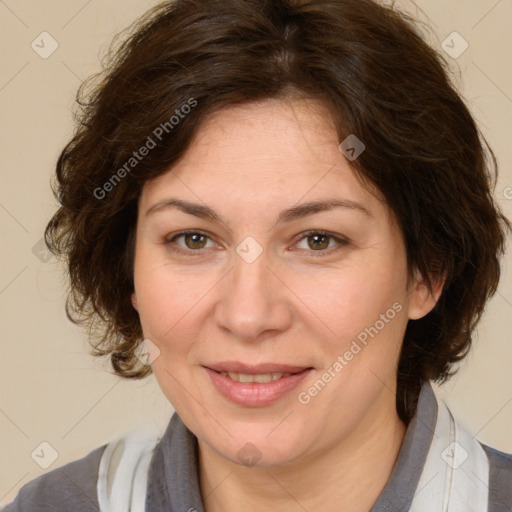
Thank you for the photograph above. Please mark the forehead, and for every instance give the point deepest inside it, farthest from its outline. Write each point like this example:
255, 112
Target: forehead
272, 152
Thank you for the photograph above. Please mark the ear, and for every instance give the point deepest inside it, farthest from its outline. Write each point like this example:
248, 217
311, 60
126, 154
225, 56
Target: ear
134, 301
421, 300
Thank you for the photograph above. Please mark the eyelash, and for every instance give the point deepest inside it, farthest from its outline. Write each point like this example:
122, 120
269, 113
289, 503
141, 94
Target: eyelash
190, 252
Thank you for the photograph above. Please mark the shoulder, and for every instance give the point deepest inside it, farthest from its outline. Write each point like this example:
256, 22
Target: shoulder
499, 459
115, 472
487, 472
123, 471
500, 475
69, 487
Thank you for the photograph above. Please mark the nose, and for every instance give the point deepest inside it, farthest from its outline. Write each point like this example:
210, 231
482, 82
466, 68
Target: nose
254, 301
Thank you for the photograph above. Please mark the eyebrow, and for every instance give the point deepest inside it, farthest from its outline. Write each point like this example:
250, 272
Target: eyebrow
288, 215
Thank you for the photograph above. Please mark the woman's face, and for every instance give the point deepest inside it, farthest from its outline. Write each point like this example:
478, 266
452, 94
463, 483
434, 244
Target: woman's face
267, 278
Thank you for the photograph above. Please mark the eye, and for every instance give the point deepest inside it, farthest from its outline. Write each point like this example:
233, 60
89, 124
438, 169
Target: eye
194, 242
319, 241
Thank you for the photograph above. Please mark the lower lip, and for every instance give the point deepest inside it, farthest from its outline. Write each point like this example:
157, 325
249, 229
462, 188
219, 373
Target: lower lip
256, 394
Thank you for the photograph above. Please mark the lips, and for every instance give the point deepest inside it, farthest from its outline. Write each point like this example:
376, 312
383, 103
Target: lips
262, 368
230, 379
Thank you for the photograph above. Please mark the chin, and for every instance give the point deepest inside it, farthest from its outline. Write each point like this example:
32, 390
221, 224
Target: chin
260, 451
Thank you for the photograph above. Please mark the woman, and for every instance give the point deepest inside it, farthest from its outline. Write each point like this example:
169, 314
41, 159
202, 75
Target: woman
282, 209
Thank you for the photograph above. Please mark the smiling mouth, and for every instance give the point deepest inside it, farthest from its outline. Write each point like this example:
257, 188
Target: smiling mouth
262, 387
253, 376
261, 378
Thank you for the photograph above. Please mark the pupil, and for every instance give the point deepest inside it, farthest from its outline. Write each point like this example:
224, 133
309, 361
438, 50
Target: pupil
194, 237
316, 237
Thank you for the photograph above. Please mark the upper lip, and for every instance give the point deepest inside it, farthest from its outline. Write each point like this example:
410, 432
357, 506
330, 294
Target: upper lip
238, 367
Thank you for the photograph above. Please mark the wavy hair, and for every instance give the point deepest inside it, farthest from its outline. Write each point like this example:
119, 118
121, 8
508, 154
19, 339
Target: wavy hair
379, 78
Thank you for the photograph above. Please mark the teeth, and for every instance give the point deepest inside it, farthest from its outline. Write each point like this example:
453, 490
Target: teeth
262, 378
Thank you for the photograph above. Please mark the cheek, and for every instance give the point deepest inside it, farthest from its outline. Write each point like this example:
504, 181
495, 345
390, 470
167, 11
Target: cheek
167, 298
348, 304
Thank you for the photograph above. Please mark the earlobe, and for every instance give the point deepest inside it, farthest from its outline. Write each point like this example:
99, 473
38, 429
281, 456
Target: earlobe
134, 301
421, 300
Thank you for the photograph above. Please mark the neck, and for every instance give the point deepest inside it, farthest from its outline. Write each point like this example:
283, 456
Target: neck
348, 476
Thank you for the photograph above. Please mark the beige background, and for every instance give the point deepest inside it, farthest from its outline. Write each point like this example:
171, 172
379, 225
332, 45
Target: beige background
51, 390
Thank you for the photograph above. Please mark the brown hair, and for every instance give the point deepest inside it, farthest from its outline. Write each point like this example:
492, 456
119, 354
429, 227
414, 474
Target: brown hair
380, 80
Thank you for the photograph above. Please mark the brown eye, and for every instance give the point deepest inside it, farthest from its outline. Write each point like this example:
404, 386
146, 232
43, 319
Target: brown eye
194, 240
318, 241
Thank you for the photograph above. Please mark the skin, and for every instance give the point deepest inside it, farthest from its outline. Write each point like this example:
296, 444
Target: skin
295, 304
